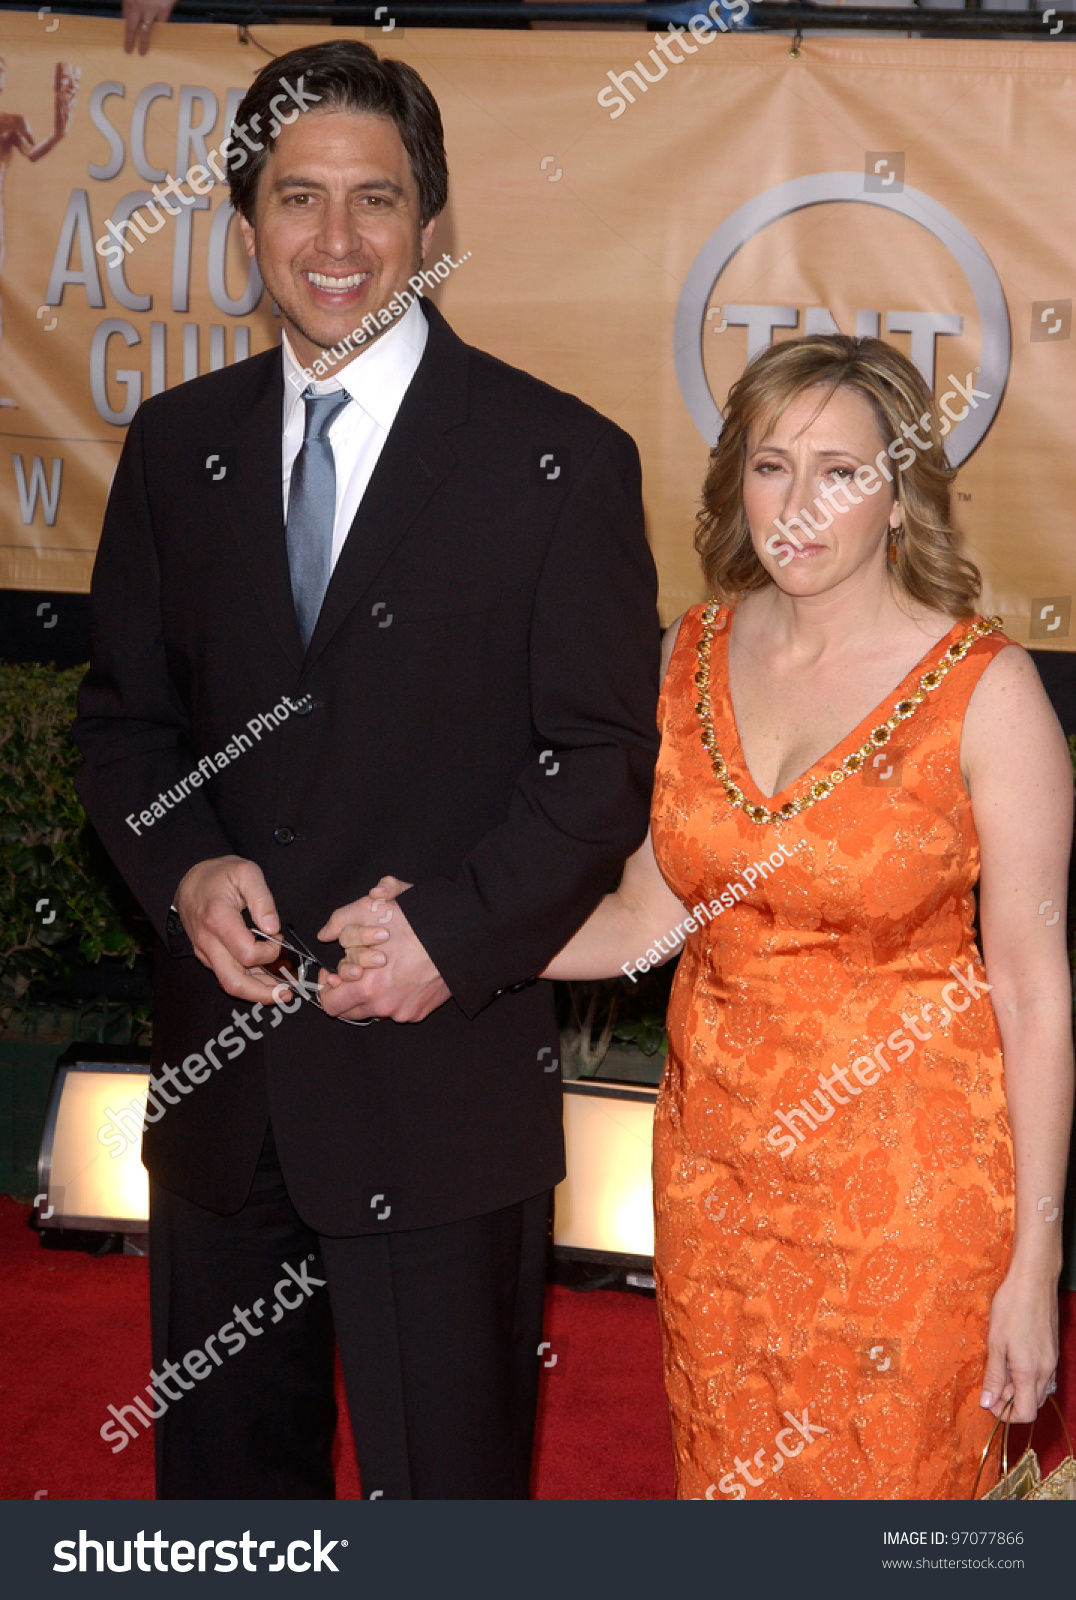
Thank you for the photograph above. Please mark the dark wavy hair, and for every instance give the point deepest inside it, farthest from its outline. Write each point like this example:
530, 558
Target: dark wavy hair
929, 567
346, 76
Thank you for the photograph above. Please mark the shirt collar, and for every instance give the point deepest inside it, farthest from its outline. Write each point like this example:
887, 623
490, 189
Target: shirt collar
377, 378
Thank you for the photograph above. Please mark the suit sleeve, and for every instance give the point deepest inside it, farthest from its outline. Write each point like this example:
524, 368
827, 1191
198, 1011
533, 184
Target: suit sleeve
132, 726
582, 805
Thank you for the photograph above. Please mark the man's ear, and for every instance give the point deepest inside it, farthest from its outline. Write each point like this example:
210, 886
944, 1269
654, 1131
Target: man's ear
249, 239
425, 236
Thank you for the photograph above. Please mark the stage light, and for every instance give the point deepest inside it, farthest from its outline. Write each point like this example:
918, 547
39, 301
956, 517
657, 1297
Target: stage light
604, 1210
90, 1173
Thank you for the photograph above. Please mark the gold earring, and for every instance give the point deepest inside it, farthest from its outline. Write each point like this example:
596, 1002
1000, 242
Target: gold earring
895, 534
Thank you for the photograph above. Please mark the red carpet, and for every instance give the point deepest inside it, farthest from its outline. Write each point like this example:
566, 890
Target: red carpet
74, 1338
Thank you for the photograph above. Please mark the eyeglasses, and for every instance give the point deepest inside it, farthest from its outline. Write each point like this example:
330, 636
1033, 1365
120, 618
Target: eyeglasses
304, 981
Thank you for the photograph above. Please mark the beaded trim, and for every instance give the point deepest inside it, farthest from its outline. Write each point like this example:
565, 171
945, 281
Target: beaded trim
851, 764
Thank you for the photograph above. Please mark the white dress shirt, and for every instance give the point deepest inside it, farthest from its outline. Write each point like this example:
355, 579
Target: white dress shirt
377, 381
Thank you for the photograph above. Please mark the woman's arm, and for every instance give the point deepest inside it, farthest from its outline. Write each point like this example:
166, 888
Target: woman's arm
625, 924
1019, 776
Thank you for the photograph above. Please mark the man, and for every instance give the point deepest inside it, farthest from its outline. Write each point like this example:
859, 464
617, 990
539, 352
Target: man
467, 702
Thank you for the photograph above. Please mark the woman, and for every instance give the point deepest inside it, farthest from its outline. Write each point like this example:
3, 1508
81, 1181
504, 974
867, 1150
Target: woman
858, 1230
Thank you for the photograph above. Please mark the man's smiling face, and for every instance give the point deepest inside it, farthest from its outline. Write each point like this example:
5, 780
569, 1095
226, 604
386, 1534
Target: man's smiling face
337, 229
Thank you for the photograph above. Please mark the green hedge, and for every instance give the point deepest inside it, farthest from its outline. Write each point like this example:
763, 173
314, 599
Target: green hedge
61, 900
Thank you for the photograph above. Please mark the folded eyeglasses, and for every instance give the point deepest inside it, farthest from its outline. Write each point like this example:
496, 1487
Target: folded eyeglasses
303, 981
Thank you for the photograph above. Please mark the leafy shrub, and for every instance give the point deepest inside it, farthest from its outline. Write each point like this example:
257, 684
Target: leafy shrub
62, 903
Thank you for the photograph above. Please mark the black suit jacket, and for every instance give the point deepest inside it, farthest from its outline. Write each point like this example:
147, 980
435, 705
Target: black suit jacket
482, 679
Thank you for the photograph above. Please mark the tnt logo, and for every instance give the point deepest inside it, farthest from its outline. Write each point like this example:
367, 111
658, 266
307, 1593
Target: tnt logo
883, 770
1051, 321
883, 172
1050, 617
880, 1358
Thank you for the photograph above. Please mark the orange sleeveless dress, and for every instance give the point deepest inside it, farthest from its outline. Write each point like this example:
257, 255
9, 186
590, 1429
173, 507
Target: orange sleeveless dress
832, 1158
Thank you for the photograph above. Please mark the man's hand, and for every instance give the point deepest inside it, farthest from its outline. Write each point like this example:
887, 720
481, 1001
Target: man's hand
210, 901
397, 981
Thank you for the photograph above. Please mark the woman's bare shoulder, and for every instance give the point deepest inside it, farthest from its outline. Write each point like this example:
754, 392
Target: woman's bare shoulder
1010, 726
1010, 686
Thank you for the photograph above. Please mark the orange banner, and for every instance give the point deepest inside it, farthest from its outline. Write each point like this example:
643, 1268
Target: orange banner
632, 221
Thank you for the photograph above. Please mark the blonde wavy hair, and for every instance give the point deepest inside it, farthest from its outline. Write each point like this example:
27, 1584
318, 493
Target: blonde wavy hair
929, 567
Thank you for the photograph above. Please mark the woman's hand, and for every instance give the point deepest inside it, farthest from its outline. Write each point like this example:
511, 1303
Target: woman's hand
1022, 1346
368, 927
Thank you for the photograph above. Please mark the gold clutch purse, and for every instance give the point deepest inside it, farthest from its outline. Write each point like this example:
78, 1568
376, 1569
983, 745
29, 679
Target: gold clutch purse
1025, 1480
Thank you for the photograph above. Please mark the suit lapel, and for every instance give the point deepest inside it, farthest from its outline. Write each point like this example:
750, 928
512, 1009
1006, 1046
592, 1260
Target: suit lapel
414, 461
254, 503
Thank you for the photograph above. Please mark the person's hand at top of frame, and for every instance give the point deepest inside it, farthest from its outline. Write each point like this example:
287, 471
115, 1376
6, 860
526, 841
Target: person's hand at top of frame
138, 19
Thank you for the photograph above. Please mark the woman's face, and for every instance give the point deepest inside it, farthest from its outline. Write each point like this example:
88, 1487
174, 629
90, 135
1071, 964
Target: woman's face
803, 472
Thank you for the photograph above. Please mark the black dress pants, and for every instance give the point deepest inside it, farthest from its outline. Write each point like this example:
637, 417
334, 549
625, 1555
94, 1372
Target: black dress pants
438, 1331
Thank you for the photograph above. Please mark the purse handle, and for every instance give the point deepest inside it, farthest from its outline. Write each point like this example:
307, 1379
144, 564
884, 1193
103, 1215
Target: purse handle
1005, 1443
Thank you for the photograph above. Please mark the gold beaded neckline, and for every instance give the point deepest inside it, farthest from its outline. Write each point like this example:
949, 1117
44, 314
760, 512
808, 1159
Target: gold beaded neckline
851, 764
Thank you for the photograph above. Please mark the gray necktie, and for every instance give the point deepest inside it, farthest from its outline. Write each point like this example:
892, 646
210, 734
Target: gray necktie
312, 509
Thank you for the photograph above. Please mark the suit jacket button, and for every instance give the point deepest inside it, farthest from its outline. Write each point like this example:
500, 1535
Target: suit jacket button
284, 835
